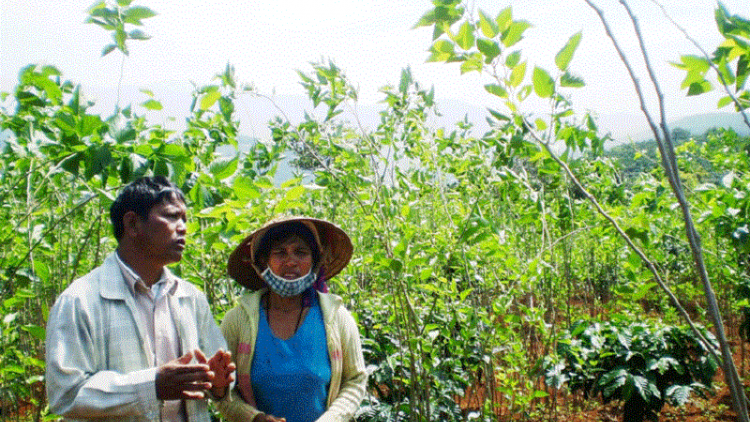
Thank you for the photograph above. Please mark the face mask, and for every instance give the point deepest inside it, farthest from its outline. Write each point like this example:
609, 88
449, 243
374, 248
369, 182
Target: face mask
286, 288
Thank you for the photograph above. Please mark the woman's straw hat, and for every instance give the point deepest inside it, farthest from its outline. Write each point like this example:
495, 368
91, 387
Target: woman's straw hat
333, 243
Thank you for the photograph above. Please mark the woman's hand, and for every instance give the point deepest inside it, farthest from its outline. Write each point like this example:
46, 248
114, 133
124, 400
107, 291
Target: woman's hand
222, 366
268, 418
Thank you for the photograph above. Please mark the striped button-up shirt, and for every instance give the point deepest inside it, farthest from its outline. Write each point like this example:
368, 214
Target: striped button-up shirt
98, 363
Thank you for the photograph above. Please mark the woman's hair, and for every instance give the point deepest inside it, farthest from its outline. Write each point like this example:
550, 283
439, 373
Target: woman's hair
140, 196
280, 234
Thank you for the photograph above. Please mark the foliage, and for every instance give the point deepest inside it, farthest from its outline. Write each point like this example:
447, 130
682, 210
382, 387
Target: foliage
641, 365
115, 18
471, 250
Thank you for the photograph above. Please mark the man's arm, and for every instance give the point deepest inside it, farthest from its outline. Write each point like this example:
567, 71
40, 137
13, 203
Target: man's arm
77, 385
80, 386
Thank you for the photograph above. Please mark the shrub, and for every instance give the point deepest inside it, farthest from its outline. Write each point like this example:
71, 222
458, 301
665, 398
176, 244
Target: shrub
641, 365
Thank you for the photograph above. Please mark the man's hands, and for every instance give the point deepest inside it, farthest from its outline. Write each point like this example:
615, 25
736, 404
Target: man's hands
180, 379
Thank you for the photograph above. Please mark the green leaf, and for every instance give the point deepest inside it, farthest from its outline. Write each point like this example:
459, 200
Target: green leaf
134, 15
137, 34
487, 25
497, 90
472, 63
489, 48
294, 193
108, 49
678, 395
120, 36
513, 59
152, 105
569, 81
244, 188
465, 36
209, 99
517, 75
698, 88
35, 331
724, 101
544, 85
504, 18
514, 33
565, 55
442, 50
224, 167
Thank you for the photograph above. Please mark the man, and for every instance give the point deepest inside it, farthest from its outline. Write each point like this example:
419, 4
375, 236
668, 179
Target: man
129, 340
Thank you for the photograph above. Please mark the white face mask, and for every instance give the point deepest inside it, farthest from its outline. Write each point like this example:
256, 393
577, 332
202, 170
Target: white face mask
287, 288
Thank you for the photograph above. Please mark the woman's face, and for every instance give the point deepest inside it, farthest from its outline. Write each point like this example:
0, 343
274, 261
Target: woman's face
290, 258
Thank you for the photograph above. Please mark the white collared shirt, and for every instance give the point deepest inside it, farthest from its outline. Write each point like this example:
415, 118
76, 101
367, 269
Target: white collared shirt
163, 340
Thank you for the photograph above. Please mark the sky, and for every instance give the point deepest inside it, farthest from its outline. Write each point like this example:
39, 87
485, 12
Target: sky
371, 40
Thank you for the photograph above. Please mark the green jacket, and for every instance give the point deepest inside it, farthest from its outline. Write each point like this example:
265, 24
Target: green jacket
348, 375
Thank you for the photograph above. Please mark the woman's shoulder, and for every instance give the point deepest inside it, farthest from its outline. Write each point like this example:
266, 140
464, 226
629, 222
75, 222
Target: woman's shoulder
247, 305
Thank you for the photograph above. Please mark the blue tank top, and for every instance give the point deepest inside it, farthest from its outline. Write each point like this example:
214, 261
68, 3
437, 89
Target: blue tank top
290, 378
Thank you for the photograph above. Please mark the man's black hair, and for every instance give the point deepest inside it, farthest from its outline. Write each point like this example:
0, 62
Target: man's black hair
140, 196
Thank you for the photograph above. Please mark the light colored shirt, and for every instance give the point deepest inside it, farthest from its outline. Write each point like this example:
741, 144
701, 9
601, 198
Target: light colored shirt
348, 373
162, 339
98, 365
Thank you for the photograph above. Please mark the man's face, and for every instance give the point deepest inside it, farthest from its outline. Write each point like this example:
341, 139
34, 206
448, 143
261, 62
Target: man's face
161, 238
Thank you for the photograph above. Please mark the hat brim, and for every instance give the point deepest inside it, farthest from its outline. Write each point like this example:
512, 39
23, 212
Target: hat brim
333, 243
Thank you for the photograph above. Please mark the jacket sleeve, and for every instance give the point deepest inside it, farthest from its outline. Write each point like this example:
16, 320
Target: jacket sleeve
76, 387
235, 408
354, 374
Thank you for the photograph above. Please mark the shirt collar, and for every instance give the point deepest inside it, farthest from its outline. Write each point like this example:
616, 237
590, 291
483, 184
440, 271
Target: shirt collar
136, 284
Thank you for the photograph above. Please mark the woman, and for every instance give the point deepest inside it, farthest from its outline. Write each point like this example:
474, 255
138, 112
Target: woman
296, 347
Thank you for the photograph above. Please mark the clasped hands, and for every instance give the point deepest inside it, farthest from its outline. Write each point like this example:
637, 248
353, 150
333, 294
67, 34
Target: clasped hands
181, 379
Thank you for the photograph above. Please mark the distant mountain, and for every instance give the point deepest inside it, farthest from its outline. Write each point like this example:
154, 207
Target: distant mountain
699, 124
696, 124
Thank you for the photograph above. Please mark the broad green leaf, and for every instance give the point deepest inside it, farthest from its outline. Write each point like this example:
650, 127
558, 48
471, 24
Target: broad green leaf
513, 59
569, 81
517, 75
134, 15
699, 88
223, 167
120, 36
108, 49
465, 36
514, 33
487, 25
244, 188
137, 34
209, 99
294, 193
678, 395
489, 48
442, 50
152, 105
544, 85
724, 101
35, 331
504, 19
497, 90
565, 55
472, 63
499, 116
694, 63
